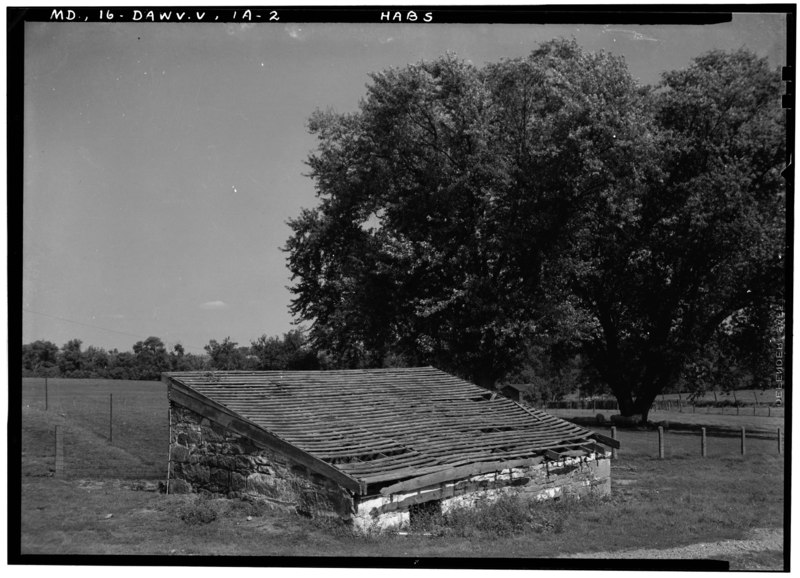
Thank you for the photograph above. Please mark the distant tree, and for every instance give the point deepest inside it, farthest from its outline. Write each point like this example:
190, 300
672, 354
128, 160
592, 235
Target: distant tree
151, 358
291, 352
96, 362
123, 365
269, 352
554, 372
40, 358
225, 355
70, 359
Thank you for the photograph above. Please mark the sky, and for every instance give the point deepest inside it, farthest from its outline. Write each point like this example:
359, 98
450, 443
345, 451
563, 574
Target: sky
162, 161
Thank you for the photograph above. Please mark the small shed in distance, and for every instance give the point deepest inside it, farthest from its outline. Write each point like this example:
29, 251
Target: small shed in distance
521, 392
370, 446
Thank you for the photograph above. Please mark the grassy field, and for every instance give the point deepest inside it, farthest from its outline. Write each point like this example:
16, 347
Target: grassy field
725, 425
675, 502
130, 417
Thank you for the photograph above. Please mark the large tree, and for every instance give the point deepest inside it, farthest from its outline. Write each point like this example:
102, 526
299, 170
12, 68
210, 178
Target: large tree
442, 199
465, 214
662, 267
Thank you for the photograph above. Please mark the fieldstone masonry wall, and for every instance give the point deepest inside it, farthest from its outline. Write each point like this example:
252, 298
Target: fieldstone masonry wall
208, 458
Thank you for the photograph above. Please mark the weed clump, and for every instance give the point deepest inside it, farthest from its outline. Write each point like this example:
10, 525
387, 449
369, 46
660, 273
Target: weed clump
507, 516
198, 512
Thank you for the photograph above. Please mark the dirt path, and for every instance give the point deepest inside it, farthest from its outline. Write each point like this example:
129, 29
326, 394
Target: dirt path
760, 540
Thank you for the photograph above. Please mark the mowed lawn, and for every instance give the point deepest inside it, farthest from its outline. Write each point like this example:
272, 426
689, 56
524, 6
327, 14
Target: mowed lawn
681, 500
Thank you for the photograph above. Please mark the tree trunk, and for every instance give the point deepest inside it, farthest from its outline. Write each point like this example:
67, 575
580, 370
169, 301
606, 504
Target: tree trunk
626, 403
643, 405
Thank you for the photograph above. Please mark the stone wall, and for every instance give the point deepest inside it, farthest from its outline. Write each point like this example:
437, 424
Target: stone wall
569, 476
207, 458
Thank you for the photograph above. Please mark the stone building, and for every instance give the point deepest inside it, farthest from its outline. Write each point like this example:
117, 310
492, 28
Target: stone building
370, 446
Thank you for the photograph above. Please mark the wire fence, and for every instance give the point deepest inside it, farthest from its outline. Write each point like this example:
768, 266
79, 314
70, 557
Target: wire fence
724, 407
95, 428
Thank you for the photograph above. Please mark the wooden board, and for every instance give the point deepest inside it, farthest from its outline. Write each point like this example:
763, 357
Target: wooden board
450, 474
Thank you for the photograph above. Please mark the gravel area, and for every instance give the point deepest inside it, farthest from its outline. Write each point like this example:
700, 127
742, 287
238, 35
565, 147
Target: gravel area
759, 540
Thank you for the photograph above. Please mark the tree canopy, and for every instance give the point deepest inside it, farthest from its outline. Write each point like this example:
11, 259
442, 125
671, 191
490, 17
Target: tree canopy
662, 267
442, 200
468, 214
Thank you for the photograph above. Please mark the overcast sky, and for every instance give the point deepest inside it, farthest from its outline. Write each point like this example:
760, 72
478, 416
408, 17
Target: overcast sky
163, 160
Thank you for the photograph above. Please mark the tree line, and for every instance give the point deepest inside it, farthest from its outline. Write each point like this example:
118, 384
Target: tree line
150, 357
551, 216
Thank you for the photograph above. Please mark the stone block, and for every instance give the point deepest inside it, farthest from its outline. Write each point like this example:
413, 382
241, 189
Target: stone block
196, 473
238, 482
243, 464
194, 436
220, 478
265, 469
179, 453
226, 462
260, 484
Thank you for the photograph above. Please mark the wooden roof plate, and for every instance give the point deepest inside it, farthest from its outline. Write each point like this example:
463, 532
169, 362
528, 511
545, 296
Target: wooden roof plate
379, 423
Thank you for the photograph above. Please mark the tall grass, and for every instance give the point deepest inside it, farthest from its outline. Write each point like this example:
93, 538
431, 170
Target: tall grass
509, 515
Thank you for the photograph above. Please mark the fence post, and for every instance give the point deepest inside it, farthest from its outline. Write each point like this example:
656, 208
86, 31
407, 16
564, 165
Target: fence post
703, 449
169, 445
613, 437
110, 418
743, 438
59, 453
780, 445
45, 393
661, 442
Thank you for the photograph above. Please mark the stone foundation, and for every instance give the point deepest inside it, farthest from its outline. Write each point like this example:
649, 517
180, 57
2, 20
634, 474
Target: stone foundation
574, 476
208, 458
